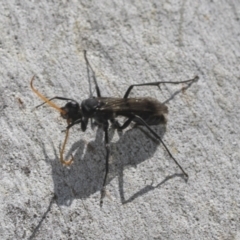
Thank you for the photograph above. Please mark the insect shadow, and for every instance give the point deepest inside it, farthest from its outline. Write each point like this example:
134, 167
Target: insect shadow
85, 177
144, 111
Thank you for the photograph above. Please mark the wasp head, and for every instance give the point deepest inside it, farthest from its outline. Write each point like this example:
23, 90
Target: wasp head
71, 111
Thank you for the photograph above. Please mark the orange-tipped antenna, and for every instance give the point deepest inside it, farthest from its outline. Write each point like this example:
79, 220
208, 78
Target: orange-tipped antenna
45, 99
68, 162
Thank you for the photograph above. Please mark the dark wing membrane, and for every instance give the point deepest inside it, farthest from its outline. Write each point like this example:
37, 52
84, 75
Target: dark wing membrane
135, 105
151, 110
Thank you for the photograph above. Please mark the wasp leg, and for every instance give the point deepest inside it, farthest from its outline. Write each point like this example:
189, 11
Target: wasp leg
94, 76
119, 127
59, 98
73, 123
159, 138
157, 84
103, 191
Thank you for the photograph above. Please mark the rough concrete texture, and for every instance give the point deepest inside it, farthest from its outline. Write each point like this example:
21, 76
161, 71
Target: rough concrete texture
127, 42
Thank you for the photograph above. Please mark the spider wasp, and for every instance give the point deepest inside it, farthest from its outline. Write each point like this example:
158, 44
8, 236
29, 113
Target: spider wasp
144, 111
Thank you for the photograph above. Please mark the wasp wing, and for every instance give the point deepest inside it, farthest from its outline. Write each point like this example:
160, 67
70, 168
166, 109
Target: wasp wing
149, 109
147, 105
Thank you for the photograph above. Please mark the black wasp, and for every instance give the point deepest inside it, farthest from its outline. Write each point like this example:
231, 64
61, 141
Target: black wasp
104, 110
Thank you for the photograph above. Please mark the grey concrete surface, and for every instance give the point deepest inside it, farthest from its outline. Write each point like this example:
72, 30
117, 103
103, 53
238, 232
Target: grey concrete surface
127, 42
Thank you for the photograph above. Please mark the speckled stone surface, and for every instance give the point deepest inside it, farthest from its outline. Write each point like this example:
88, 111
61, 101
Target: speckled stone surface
128, 42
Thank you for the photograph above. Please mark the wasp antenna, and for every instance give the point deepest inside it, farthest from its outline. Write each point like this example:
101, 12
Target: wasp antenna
65, 162
45, 99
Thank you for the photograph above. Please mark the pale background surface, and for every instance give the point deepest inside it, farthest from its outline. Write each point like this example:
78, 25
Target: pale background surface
127, 42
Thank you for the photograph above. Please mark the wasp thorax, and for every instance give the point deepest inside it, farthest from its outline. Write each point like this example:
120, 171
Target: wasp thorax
89, 107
